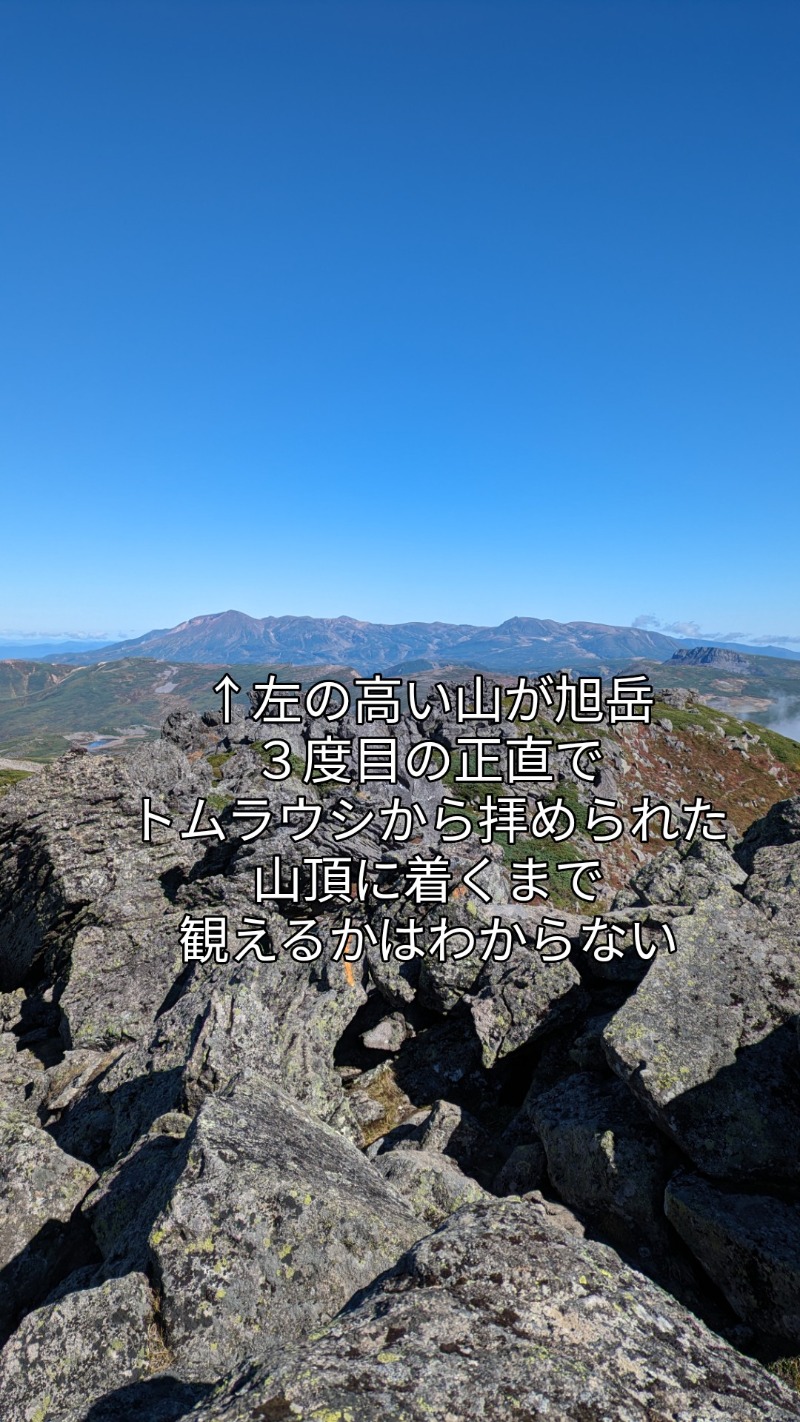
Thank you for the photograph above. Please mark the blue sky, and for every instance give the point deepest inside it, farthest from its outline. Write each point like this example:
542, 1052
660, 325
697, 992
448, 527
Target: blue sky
406, 309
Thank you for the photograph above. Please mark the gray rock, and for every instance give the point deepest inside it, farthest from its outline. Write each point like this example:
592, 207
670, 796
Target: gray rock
283, 1021
444, 1121
677, 696
555, 1214
72, 839
587, 1048
775, 886
280, 1019
446, 1129
378, 1103
160, 1397
780, 826
66, 1355
498, 1315
120, 1210
388, 1035
524, 1170
117, 1106
12, 1005
68, 1080
443, 984
439, 986
396, 979
403, 1137
707, 1043
748, 1244
272, 1225
516, 1002
604, 1158
22, 1076
431, 1185
707, 870
770, 851
189, 732
452, 1130
441, 1061
40, 1188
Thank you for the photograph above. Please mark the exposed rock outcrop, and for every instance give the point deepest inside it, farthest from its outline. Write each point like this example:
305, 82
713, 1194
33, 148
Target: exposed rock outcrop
359, 1186
498, 1314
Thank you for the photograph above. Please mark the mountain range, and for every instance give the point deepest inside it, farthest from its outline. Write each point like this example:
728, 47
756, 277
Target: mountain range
519, 644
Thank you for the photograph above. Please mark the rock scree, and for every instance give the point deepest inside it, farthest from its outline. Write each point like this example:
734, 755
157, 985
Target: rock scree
340, 1189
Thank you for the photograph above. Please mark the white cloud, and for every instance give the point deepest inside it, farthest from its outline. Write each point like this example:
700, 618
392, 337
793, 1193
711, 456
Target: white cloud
13, 634
696, 633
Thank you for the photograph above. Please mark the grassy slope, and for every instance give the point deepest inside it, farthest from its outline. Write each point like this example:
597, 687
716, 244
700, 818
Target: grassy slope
10, 777
104, 699
19, 680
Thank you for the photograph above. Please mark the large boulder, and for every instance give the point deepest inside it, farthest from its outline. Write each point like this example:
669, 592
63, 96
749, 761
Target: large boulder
770, 851
706, 870
780, 826
83, 900
500, 1315
121, 1208
273, 1223
40, 1190
604, 1157
516, 1002
283, 1020
432, 1185
66, 1355
707, 1043
748, 1244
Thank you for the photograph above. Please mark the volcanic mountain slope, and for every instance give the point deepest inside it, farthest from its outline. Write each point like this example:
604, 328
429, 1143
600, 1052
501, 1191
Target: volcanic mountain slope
20, 680
522, 643
713, 657
408, 1187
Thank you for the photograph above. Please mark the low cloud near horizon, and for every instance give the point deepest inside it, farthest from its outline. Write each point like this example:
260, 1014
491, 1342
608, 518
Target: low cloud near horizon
11, 635
692, 629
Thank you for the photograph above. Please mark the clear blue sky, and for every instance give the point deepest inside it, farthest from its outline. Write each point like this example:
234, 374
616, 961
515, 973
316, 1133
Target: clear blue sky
431, 309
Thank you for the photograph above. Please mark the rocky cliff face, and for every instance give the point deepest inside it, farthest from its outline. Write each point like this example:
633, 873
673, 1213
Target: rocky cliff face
414, 1189
720, 657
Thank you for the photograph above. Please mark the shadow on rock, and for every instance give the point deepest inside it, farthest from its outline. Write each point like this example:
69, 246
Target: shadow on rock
741, 1124
161, 1399
57, 1250
102, 1125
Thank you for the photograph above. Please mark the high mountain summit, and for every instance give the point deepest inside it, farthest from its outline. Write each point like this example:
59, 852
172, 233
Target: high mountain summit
519, 644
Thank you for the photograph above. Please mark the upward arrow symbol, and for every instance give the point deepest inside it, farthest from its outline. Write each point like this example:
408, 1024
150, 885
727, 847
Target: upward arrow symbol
226, 685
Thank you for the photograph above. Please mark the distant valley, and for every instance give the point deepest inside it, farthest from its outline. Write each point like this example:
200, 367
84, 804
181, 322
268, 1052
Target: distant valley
105, 697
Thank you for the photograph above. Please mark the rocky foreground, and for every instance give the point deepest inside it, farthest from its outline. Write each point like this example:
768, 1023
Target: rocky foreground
416, 1190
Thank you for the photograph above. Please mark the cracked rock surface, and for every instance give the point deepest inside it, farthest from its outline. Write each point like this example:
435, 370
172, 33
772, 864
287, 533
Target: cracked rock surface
341, 1189
497, 1311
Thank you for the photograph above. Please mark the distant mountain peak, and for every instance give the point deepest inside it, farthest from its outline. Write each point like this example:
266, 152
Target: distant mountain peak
720, 657
520, 644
